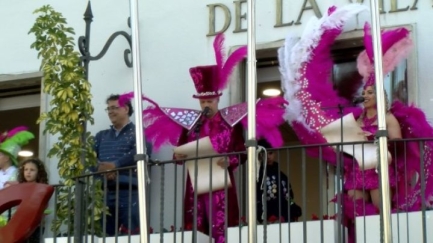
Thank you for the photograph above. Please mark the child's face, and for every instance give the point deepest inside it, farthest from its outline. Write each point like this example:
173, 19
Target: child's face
30, 172
4, 160
271, 157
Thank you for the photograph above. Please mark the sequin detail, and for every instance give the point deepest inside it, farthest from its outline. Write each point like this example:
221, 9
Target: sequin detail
357, 179
315, 117
224, 139
233, 114
184, 117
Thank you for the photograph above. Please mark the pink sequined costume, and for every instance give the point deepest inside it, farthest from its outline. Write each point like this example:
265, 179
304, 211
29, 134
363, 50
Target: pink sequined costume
174, 126
306, 68
357, 179
225, 139
396, 46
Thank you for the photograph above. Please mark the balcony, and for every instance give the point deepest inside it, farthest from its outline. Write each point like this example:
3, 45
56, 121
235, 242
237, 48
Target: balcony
314, 181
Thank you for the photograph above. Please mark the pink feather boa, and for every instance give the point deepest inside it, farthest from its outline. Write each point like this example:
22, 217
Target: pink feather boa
11, 133
16, 130
269, 116
413, 124
126, 98
230, 64
396, 46
159, 129
226, 67
218, 46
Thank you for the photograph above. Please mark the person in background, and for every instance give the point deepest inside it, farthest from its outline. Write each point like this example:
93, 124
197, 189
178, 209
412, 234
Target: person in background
32, 171
360, 196
115, 148
7, 169
400, 92
230, 140
223, 127
274, 187
11, 143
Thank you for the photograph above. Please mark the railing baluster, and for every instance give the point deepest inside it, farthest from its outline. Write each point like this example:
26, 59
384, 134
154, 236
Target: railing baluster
304, 193
85, 209
280, 211
211, 203
116, 210
423, 182
321, 194
183, 203
93, 230
175, 204
130, 205
161, 213
289, 188
104, 214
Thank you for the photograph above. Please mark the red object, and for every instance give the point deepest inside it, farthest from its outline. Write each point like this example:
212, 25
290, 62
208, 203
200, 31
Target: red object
206, 80
242, 221
32, 199
272, 219
325, 217
210, 80
188, 227
124, 230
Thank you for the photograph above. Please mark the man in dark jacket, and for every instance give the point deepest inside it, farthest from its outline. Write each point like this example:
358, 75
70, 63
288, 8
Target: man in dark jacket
274, 191
115, 148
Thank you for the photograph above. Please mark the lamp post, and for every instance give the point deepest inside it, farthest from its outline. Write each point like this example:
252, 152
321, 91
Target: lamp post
252, 142
134, 50
381, 122
141, 157
84, 43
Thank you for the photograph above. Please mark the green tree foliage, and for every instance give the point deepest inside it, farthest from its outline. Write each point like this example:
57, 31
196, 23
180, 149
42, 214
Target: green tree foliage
71, 109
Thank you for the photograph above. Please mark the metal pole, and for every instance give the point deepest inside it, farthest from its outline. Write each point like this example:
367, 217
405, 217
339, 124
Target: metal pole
140, 137
251, 98
381, 122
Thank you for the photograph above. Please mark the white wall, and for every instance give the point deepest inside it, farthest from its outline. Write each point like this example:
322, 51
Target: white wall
173, 39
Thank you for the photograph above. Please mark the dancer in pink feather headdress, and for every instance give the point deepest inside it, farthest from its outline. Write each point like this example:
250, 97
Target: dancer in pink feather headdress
364, 185
306, 66
224, 127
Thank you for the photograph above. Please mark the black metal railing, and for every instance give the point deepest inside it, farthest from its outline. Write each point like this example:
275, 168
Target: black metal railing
310, 214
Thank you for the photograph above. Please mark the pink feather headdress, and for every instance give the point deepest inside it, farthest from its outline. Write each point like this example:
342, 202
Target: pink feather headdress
210, 81
396, 46
11, 133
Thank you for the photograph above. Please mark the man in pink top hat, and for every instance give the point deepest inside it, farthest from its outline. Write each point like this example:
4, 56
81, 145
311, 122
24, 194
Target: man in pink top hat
224, 127
225, 138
